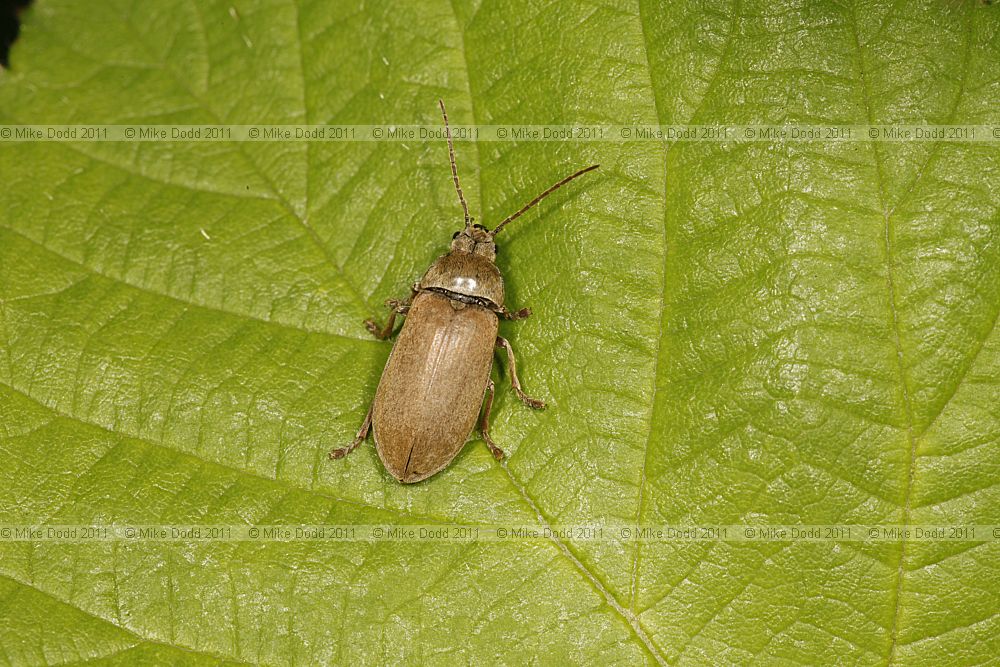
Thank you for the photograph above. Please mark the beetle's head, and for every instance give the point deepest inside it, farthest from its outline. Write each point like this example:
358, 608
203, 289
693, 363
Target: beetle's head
475, 239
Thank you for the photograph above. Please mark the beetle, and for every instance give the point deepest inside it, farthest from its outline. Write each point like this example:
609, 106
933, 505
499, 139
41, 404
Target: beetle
437, 376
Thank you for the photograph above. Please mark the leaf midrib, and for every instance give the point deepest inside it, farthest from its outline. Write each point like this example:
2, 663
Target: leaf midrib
667, 245
630, 619
913, 437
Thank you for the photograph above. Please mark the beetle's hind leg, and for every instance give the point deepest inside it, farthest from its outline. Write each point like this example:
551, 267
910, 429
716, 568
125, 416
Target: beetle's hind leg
398, 307
484, 424
514, 381
366, 425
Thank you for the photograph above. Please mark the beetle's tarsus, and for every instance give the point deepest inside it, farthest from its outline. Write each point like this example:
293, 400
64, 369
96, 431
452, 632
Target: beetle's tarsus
535, 403
399, 306
498, 453
522, 314
396, 307
341, 452
484, 424
381, 332
366, 425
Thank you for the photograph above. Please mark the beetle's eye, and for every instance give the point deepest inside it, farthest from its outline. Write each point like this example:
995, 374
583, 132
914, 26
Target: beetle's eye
455, 235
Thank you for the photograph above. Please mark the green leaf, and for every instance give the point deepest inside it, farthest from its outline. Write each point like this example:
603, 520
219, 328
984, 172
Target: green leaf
782, 332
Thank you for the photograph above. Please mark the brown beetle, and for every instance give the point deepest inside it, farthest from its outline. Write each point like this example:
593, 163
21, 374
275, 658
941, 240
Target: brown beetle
438, 371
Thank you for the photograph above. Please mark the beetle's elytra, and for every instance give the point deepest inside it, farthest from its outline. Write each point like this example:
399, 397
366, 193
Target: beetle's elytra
438, 373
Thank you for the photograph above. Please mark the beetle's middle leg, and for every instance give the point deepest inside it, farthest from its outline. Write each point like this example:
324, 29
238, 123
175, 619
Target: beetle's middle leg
484, 424
398, 307
366, 425
514, 381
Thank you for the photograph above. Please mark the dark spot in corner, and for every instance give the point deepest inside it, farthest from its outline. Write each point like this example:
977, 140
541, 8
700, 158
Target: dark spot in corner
10, 26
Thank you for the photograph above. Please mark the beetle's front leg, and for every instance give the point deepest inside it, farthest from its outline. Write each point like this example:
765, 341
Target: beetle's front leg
399, 307
484, 425
514, 381
366, 425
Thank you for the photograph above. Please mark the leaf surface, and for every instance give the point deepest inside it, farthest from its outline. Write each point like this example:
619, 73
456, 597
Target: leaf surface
726, 332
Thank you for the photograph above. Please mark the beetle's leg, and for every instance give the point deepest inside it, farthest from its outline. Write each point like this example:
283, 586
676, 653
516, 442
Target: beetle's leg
381, 332
516, 315
341, 452
484, 425
397, 307
514, 382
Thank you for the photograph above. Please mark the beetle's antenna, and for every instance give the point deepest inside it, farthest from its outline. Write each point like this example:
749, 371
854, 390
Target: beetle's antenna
542, 196
454, 167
